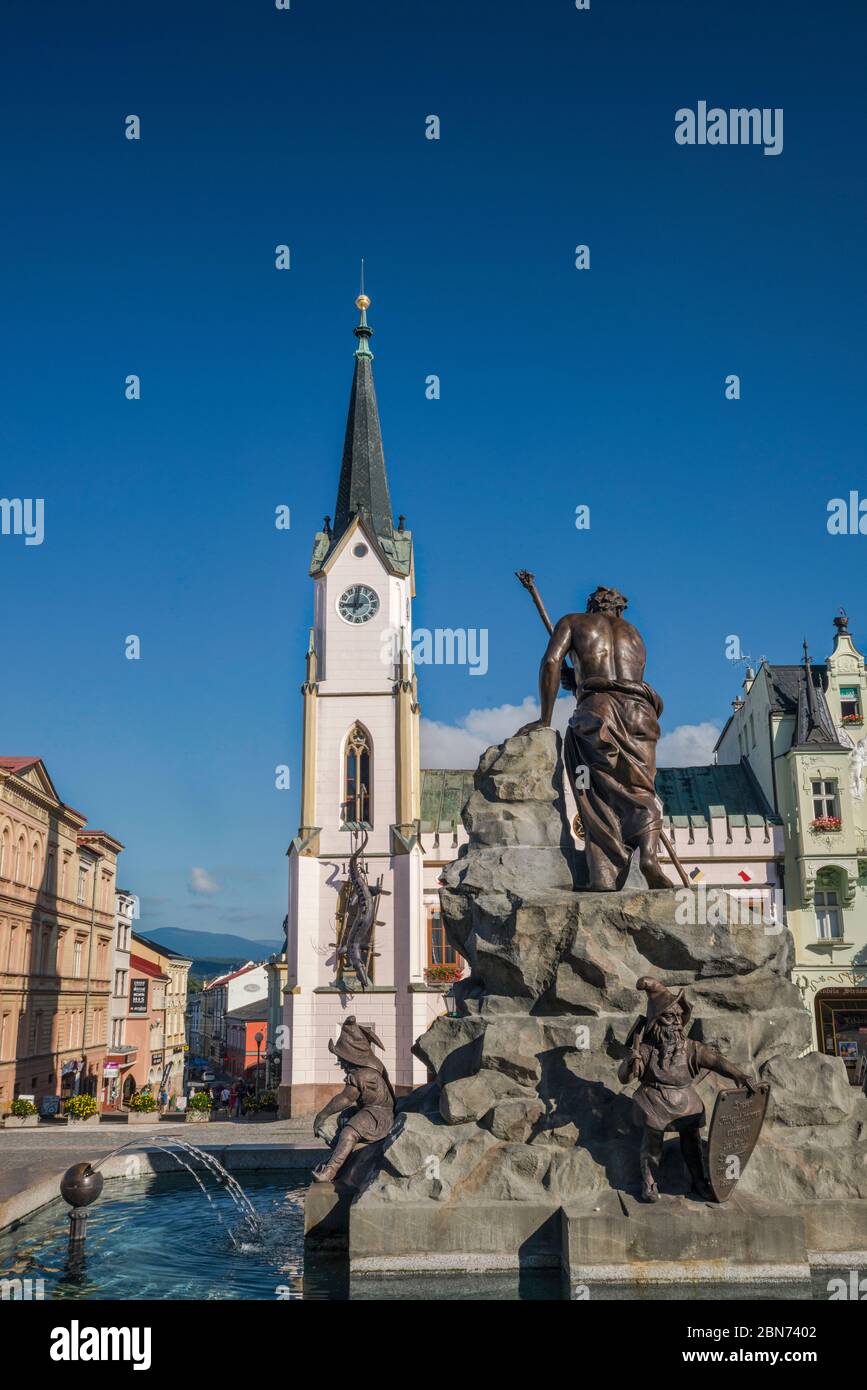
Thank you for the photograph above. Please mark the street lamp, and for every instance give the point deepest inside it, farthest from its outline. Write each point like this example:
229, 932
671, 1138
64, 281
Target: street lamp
258, 1039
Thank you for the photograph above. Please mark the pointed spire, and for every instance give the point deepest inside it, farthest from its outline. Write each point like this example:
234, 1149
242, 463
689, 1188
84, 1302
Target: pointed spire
815, 726
363, 487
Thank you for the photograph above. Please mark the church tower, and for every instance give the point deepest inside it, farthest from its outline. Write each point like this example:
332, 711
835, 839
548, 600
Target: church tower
360, 776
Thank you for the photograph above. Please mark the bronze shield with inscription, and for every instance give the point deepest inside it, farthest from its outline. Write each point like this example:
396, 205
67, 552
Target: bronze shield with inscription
735, 1126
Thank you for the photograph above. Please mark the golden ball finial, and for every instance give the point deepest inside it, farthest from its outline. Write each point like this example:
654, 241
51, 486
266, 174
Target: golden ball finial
362, 302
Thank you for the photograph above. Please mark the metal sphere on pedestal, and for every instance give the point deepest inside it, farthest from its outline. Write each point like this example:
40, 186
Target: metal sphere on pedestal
80, 1185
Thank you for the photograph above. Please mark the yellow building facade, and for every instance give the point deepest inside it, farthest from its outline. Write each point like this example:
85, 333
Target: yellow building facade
57, 922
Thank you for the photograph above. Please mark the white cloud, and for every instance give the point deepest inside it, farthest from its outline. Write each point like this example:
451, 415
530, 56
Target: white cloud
689, 745
202, 882
462, 744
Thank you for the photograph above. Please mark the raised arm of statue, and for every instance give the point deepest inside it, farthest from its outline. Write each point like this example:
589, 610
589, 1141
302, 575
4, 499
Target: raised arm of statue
550, 674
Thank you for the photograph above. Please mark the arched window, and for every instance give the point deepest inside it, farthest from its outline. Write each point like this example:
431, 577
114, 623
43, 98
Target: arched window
356, 777
20, 852
6, 853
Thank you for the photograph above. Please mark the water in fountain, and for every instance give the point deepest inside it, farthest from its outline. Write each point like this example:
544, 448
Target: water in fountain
223, 1176
211, 1164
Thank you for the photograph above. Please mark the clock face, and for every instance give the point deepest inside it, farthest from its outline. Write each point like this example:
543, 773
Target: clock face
358, 604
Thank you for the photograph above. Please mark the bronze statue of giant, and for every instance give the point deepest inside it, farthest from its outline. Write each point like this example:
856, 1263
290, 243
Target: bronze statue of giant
610, 745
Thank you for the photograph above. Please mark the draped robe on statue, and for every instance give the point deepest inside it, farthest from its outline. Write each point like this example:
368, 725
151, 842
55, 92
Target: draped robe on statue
613, 733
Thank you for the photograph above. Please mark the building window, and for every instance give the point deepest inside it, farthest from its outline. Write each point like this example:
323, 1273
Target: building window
76, 960
825, 801
356, 778
439, 952
829, 918
82, 883
850, 704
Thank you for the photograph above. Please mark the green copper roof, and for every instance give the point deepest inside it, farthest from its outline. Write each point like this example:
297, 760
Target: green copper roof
690, 795
443, 793
728, 790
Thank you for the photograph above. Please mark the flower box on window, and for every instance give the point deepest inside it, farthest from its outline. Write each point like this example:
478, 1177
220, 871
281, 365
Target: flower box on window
443, 974
853, 719
823, 823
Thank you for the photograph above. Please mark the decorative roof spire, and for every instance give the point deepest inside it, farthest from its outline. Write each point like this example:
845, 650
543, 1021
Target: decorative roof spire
815, 727
363, 487
363, 333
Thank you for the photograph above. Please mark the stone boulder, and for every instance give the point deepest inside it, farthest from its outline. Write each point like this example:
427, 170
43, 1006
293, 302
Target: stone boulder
526, 1104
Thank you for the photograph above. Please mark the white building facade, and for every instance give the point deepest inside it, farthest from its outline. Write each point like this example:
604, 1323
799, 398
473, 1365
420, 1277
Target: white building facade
361, 768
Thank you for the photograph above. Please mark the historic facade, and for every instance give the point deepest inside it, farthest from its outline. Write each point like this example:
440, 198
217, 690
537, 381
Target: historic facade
57, 926
361, 777
168, 1023
120, 1055
800, 729
219, 998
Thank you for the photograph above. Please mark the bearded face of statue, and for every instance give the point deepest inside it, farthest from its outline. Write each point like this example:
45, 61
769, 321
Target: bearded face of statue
666, 1032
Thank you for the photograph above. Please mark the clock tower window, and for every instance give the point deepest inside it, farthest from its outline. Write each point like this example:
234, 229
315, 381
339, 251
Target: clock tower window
357, 758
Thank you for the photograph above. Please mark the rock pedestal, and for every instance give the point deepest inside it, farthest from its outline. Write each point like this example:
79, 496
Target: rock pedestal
525, 1107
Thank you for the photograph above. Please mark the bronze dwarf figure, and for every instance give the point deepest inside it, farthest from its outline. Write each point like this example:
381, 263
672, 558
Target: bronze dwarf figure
610, 745
367, 1097
666, 1063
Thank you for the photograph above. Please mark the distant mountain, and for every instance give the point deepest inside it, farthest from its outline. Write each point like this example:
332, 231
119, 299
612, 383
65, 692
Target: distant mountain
213, 946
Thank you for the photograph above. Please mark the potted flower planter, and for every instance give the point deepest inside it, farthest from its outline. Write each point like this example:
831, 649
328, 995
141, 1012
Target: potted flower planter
198, 1117
143, 1117
76, 1121
20, 1121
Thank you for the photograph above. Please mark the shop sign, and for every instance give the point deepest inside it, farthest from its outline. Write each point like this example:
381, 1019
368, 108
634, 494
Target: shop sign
138, 996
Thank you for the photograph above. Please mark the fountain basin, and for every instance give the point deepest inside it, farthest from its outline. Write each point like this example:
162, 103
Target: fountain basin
157, 1237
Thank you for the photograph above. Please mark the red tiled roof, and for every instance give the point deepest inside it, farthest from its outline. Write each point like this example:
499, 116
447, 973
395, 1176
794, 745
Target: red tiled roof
224, 979
147, 966
17, 765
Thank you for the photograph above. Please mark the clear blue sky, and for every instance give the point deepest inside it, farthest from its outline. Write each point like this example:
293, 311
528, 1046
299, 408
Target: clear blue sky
559, 387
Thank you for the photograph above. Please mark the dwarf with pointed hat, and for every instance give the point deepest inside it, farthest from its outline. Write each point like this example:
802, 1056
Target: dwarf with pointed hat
667, 1062
367, 1096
